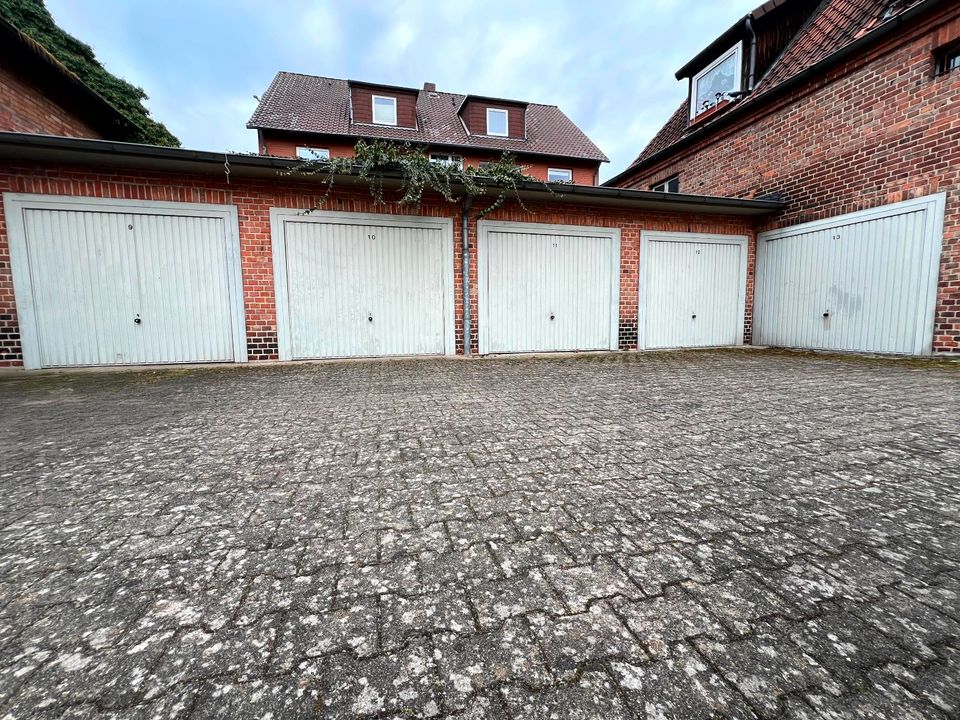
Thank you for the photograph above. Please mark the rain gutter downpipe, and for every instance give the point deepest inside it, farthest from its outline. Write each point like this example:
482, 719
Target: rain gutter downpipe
465, 263
751, 78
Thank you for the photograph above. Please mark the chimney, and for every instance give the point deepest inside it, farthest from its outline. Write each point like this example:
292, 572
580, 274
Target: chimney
429, 87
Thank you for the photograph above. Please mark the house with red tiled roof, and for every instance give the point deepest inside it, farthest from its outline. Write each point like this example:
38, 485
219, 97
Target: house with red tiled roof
848, 111
310, 116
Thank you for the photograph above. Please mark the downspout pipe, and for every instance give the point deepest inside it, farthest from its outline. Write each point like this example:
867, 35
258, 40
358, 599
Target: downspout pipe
465, 271
752, 75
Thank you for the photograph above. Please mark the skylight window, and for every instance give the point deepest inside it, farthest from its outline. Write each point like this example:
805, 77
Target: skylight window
714, 84
384, 110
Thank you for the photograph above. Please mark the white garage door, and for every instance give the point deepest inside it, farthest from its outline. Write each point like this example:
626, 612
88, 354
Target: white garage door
546, 288
125, 282
862, 282
692, 290
354, 285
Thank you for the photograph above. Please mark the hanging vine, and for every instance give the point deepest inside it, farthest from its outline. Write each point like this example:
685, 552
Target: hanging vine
379, 160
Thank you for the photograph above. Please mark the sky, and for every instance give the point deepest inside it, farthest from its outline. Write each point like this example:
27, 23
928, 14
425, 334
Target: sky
608, 64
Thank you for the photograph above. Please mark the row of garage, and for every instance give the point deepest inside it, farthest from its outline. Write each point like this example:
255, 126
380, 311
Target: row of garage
112, 282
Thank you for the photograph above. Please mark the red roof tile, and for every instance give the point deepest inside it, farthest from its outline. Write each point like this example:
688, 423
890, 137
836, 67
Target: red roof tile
307, 103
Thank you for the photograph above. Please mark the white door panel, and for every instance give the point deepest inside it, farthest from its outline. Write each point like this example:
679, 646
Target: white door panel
547, 289
352, 288
105, 282
692, 290
860, 282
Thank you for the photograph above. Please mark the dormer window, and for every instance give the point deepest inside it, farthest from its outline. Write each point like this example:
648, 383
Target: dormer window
713, 85
497, 122
384, 110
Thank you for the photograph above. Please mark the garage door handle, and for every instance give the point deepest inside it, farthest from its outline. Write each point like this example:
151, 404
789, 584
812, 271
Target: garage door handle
552, 316
136, 320
827, 314
693, 317
370, 318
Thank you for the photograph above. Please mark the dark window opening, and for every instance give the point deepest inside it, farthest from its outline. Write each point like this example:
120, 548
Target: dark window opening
948, 58
670, 185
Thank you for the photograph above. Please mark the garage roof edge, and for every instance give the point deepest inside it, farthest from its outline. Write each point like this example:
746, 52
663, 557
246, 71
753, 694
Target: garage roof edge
74, 151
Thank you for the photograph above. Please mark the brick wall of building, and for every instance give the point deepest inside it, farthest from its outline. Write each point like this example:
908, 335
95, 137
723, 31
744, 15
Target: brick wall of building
880, 129
24, 108
286, 144
254, 198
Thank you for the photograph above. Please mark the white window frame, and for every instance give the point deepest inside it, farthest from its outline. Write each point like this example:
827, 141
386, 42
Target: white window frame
663, 185
305, 152
506, 122
373, 105
736, 50
566, 171
447, 159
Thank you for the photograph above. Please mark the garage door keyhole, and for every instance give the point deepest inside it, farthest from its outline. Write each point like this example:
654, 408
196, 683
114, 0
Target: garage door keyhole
693, 317
137, 320
370, 318
552, 316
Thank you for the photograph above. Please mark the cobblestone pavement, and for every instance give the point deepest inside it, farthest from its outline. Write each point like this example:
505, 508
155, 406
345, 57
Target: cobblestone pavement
729, 534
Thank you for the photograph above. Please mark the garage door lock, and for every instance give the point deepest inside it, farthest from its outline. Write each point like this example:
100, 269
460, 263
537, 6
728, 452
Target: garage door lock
137, 320
370, 318
826, 314
552, 316
693, 317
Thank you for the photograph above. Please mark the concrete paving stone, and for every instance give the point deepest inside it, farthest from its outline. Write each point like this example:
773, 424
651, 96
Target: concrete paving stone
399, 684
593, 696
882, 697
680, 687
401, 618
740, 601
572, 641
914, 624
579, 585
498, 600
304, 636
937, 682
261, 698
401, 575
664, 566
650, 535
268, 594
662, 621
861, 573
541, 551
411, 543
765, 667
847, 645
458, 567
508, 655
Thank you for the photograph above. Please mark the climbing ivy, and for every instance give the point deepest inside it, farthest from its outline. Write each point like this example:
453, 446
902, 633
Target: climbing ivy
32, 18
380, 160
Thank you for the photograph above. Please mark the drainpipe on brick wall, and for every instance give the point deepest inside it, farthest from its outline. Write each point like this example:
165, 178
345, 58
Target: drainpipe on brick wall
751, 78
465, 253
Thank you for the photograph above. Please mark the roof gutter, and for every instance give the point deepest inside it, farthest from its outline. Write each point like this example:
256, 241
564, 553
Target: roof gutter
21, 147
784, 88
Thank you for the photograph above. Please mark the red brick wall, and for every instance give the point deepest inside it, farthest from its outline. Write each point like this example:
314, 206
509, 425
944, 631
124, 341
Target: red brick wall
285, 145
474, 115
254, 198
361, 98
24, 108
878, 130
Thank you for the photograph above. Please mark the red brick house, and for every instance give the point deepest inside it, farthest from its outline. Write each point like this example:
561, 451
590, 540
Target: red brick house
38, 94
309, 115
848, 111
